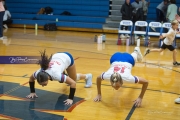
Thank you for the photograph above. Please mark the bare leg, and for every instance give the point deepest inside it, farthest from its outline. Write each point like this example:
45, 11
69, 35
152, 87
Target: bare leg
156, 50
75, 76
152, 50
174, 55
72, 72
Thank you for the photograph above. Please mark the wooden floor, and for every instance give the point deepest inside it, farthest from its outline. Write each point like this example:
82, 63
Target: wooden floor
158, 102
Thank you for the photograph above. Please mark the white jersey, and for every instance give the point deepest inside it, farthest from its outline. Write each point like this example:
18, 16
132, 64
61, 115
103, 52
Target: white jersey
170, 36
124, 69
58, 63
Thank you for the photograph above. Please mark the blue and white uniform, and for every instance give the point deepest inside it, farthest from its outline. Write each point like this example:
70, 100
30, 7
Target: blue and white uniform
58, 63
121, 63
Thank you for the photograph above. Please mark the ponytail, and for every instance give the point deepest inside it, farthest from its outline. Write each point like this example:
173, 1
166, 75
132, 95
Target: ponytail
44, 62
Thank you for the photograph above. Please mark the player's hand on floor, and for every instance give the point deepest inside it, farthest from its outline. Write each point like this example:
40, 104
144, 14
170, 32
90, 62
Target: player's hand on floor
32, 95
137, 102
98, 98
68, 102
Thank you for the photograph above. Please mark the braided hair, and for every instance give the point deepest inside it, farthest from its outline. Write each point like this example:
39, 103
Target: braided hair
115, 77
42, 76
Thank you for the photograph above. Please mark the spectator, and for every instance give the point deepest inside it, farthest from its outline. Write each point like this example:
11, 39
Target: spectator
137, 14
137, 10
172, 11
161, 11
145, 6
126, 11
7, 18
1, 19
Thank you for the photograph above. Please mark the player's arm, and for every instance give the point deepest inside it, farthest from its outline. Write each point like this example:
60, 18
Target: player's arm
32, 87
98, 82
72, 84
143, 90
166, 35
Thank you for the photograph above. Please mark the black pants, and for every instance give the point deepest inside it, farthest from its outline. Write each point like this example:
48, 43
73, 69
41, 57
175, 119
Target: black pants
1, 23
160, 16
8, 21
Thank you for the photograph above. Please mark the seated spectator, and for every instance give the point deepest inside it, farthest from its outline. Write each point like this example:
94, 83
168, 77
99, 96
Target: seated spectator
6, 18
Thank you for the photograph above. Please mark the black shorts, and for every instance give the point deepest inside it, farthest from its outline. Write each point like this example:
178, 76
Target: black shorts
170, 47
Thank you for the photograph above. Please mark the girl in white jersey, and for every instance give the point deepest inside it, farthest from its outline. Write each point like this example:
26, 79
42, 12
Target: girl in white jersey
53, 68
168, 41
120, 72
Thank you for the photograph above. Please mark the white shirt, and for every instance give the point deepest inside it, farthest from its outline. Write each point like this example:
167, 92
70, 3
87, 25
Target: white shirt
124, 69
58, 63
7, 15
170, 36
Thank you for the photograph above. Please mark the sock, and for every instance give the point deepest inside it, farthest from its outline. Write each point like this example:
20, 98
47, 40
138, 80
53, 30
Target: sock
134, 55
78, 77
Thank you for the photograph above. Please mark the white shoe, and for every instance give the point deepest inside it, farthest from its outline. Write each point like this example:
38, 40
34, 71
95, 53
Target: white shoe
177, 100
5, 26
139, 55
88, 80
3, 38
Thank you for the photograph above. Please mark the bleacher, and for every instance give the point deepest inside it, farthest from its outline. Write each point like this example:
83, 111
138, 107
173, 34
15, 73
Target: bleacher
84, 13
152, 9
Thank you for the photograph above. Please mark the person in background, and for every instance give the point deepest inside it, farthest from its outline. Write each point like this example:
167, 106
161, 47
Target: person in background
145, 6
1, 19
126, 11
172, 11
160, 13
6, 18
137, 14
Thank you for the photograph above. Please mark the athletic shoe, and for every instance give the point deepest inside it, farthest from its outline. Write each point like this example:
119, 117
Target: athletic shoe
176, 63
3, 38
177, 100
88, 80
139, 55
147, 52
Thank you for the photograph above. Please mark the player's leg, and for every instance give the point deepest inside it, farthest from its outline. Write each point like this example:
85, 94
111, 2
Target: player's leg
174, 57
78, 76
137, 55
163, 47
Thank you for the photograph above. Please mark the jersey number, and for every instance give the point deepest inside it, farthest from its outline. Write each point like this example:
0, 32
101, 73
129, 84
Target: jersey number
121, 69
